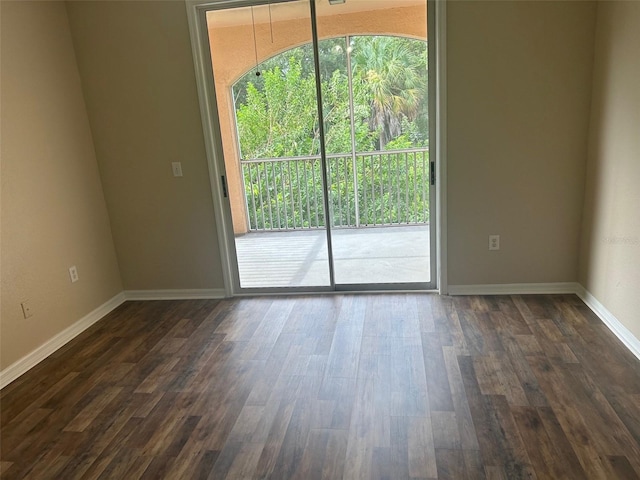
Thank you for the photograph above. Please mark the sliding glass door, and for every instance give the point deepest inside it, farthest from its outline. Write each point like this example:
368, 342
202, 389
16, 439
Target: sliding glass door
324, 122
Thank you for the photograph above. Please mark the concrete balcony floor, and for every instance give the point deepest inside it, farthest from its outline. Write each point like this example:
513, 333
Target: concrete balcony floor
375, 255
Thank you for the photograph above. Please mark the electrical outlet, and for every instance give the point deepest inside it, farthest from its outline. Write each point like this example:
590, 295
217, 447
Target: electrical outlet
494, 242
73, 273
26, 309
177, 169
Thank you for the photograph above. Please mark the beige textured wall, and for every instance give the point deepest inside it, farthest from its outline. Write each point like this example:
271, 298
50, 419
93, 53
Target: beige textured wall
610, 254
519, 89
53, 209
137, 71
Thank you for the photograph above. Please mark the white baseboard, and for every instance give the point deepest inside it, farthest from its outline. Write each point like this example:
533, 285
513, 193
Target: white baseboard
30, 360
514, 289
618, 329
203, 293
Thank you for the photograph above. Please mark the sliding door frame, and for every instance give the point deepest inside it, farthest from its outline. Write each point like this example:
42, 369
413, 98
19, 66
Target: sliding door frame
196, 15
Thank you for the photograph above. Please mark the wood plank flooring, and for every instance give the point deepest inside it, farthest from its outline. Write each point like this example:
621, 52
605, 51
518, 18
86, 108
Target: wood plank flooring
392, 386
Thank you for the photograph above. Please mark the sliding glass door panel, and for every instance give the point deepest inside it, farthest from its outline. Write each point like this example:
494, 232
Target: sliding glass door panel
265, 83
374, 77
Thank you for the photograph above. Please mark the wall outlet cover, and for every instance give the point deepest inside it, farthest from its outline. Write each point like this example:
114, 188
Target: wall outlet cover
73, 274
494, 242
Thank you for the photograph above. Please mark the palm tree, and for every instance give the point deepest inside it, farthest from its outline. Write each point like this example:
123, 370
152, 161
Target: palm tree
394, 77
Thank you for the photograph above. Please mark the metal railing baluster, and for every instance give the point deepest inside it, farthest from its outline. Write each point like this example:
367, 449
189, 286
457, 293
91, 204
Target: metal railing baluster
337, 218
415, 182
291, 196
406, 188
425, 182
261, 199
382, 202
373, 192
363, 207
306, 186
397, 187
253, 199
275, 191
266, 177
315, 197
284, 197
299, 195
347, 192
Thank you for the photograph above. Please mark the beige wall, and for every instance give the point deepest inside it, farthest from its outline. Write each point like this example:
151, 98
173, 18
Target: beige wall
519, 86
53, 209
610, 254
136, 66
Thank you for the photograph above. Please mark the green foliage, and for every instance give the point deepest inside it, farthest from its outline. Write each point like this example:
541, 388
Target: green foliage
277, 116
410, 138
392, 74
281, 119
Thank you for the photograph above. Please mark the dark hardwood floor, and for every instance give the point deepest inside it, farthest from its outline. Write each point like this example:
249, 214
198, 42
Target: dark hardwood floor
388, 386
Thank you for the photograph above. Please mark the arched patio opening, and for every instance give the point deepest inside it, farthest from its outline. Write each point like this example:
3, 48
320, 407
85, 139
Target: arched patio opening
234, 53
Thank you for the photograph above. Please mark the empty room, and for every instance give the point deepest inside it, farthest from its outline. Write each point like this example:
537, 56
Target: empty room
319, 239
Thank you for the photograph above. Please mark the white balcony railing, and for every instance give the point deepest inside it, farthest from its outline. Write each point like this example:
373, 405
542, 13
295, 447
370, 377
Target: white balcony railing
367, 189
